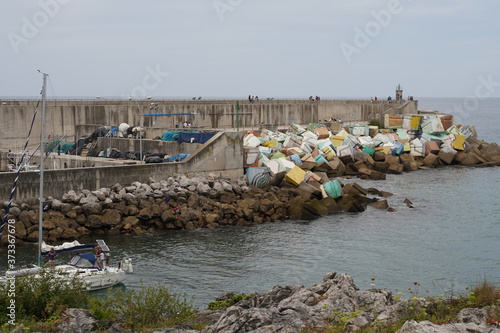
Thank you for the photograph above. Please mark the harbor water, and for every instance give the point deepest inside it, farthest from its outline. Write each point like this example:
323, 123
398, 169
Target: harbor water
447, 241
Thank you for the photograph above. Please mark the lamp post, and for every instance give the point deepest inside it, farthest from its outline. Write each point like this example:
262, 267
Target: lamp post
109, 122
153, 107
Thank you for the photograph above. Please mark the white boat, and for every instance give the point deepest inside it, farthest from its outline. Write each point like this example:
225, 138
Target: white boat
83, 267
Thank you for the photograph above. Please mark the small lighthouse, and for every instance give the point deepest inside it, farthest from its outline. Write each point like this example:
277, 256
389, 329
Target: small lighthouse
399, 93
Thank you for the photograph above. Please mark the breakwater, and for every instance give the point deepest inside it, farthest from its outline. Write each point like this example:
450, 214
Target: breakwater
309, 182
209, 201
174, 204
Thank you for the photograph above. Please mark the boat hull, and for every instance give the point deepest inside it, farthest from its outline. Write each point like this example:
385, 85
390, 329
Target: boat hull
93, 279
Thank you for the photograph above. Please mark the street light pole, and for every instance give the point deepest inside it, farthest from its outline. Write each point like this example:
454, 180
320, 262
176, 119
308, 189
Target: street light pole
109, 122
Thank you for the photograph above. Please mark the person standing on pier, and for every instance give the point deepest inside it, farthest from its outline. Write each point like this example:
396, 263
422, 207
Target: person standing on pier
52, 258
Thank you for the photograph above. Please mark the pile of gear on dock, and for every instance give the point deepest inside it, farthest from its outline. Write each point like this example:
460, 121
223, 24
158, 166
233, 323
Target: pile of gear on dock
86, 146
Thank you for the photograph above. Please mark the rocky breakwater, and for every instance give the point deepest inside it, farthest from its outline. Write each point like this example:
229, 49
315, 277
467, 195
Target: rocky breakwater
202, 202
314, 154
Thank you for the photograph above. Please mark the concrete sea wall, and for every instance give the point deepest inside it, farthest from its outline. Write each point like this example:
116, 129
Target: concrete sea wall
77, 118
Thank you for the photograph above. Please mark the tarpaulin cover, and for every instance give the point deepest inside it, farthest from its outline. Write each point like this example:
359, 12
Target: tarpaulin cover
58, 145
177, 158
170, 136
194, 137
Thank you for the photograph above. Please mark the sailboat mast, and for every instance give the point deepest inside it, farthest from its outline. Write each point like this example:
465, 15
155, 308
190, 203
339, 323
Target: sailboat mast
42, 152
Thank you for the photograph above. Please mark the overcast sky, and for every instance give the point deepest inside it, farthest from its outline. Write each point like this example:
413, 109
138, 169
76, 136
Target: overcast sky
233, 48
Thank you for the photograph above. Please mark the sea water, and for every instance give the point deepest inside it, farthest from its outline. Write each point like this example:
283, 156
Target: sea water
448, 240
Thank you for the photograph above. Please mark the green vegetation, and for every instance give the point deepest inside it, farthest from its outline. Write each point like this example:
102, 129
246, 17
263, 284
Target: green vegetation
228, 301
40, 299
41, 302
149, 307
375, 122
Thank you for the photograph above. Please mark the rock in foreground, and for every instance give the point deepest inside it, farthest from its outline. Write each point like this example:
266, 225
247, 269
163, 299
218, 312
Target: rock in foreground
337, 299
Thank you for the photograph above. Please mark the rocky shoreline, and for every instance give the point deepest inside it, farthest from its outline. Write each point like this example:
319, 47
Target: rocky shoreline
203, 202
295, 308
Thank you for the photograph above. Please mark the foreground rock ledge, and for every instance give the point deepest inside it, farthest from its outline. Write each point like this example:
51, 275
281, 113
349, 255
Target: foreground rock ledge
297, 308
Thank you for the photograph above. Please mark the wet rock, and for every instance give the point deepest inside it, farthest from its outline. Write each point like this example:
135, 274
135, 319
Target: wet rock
381, 166
447, 157
382, 204
207, 202
408, 203
395, 168
316, 208
349, 203
470, 159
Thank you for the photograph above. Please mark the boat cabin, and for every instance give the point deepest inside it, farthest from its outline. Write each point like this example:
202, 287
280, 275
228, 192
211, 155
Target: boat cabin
84, 260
